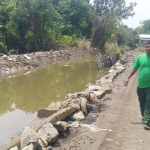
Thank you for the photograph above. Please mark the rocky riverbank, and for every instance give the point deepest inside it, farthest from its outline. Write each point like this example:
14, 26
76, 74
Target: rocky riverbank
89, 124
77, 106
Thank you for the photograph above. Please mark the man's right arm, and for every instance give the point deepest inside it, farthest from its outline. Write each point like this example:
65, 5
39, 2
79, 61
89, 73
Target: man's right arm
130, 75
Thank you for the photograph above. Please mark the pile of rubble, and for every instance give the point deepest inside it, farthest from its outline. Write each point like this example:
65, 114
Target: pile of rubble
16, 63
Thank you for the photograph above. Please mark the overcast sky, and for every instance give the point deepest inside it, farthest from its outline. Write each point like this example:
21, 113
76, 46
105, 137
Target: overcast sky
142, 12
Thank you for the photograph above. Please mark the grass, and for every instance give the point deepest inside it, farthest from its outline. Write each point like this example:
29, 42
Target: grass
84, 44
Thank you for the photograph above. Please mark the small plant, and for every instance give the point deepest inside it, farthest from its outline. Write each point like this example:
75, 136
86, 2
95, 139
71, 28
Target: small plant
3, 49
67, 41
117, 53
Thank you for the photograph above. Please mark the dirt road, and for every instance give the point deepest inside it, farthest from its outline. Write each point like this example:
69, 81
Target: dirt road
117, 127
127, 130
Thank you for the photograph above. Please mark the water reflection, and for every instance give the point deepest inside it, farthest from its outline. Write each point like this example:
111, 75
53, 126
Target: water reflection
12, 123
21, 97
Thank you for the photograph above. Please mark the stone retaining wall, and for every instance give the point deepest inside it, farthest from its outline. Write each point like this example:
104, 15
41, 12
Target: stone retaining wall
106, 61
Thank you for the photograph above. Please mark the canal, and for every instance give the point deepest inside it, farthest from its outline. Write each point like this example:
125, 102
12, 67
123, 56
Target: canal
23, 95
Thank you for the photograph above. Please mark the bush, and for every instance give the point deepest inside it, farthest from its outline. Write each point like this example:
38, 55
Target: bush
3, 49
68, 41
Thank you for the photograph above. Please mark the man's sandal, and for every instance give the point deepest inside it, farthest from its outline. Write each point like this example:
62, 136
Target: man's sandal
146, 127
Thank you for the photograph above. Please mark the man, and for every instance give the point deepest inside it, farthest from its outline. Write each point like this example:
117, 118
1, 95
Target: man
142, 63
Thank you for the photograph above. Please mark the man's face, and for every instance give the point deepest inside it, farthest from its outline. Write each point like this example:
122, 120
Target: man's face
148, 49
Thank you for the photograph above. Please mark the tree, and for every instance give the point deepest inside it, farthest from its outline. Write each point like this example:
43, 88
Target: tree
144, 27
5, 8
109, 13
31, 25
116, 7
77, 16
102, 31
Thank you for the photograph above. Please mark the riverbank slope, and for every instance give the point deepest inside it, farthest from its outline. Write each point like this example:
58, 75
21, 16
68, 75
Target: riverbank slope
117, 127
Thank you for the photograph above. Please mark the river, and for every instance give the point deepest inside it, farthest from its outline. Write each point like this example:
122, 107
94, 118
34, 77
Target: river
21, 96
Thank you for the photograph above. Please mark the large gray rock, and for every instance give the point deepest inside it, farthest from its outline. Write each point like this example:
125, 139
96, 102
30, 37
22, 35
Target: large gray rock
14, 148
49, 133
93, 98
42, 141
62, 114
78, 116
74, 95
29, 136
70, 102
45, 112
29, 147
42, 146
94, 87
100, 94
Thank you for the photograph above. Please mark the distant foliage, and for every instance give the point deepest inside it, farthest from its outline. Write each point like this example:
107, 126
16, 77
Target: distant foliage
144, 27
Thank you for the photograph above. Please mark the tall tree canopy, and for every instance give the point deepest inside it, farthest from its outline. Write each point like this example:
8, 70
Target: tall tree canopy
109, 13
37, 25
116, 7
30, 24
77, 16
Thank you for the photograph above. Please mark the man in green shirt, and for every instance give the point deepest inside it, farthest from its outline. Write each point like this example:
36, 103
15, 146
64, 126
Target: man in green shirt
142, 63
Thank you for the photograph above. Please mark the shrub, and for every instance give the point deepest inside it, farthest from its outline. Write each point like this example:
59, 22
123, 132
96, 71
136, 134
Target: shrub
3, 49
68, 41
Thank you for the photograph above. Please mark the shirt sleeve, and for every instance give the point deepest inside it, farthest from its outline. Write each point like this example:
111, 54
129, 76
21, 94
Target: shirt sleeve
135, 65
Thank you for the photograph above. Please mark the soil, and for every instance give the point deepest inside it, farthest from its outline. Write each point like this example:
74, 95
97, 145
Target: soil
17, 63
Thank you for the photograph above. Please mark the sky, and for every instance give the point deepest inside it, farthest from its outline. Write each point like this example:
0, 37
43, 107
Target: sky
142, 12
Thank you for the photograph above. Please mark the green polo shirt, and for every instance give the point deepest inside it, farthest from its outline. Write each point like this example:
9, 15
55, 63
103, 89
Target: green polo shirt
142, 63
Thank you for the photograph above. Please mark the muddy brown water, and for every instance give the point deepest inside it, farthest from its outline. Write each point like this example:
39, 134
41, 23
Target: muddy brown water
23, 95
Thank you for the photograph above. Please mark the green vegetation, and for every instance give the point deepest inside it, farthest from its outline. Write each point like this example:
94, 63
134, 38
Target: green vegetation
39, 25
144, 27
107, 25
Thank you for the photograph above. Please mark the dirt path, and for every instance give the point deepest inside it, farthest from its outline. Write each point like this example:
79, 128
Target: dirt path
127, 131
119, 123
